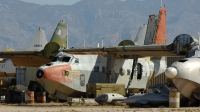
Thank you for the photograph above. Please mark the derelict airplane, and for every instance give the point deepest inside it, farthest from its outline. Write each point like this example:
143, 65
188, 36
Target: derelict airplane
185, 72
159, 96
39, 41
69, 72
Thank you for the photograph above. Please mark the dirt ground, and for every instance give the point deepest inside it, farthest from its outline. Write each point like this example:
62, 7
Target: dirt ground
63, 107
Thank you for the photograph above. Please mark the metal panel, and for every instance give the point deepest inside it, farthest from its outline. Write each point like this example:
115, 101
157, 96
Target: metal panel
30, 74
20, 72
160, 79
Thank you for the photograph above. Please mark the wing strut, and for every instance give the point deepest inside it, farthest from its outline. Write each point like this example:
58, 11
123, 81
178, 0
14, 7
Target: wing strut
109, 68
132, 72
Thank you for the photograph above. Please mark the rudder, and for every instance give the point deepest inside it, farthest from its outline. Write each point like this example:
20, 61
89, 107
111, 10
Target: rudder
60, 35
156, 28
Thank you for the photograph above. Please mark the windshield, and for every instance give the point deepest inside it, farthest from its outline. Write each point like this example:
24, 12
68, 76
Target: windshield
62, 59
66, 59
55, 59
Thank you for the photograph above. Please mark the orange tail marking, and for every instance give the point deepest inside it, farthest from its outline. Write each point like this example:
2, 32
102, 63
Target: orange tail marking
161, 29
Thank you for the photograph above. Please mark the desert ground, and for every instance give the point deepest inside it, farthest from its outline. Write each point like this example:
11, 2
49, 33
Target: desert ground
64, 107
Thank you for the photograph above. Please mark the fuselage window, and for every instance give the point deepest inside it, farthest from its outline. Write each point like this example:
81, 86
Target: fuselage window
66, 59
96, 68
139, 71
76, 61
66, 73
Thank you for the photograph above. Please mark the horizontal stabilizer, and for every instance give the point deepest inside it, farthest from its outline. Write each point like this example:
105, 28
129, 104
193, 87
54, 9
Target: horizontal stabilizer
39, 41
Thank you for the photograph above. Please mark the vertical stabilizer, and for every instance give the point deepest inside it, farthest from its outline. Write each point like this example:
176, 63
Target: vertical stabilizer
60, 35
161, 27
39, 41
141, 35
156, 28
58, 41
151, 28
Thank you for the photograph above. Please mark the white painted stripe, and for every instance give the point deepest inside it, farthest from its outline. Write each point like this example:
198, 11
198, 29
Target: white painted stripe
174, 100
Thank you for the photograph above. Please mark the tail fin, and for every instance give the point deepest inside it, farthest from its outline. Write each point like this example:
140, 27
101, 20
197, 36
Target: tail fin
156, 28
60, 35
39, 41
161, 27
141, 35
58, 41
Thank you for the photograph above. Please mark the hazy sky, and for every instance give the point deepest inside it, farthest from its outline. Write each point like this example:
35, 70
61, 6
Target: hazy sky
52, 2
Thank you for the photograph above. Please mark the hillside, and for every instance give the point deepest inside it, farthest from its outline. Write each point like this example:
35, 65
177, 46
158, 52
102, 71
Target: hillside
93, 20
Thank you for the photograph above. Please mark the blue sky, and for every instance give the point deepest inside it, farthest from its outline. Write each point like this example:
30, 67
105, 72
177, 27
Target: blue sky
52, 2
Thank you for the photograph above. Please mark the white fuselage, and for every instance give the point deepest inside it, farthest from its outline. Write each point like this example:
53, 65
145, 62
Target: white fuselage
72, 76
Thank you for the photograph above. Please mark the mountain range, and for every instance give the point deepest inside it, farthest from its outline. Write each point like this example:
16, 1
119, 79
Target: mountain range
93, 20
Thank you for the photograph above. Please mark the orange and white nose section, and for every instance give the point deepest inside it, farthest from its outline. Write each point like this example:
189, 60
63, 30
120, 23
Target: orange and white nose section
171, 72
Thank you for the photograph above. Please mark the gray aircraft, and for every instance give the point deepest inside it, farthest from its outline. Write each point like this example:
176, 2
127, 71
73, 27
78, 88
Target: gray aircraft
159, 96
184, 74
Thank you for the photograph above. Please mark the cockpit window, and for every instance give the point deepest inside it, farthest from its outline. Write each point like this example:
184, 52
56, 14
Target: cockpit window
183, 60
66, 59
63, 59
55, 59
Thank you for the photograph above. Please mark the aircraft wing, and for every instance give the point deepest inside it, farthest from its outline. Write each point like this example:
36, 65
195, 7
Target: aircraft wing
25, 58
140, 51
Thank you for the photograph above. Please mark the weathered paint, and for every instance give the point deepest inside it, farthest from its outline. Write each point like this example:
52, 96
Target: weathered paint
64, 76
30, 75
60, 35
161, 29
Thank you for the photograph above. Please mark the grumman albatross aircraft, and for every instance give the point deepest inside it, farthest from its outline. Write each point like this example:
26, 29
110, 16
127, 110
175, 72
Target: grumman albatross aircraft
185, 73
71, 69
39, 41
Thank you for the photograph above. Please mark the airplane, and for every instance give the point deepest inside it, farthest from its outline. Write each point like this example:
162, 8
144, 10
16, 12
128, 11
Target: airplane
39, 41
28, 58
159, 96
184, 74
71, 69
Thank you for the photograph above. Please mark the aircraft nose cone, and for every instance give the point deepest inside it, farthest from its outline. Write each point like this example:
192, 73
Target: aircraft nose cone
171, 72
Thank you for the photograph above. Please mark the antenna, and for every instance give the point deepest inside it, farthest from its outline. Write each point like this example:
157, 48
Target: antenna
199, 40
84, 44
161, 3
